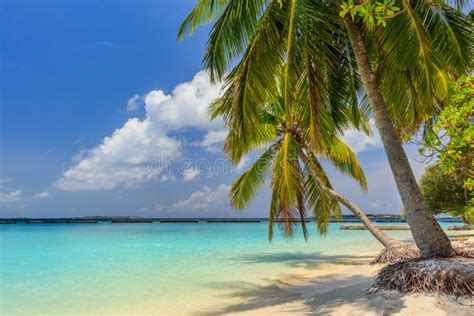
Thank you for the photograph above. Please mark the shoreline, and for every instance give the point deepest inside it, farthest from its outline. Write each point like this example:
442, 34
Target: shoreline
343, 290
167, 273
339, 288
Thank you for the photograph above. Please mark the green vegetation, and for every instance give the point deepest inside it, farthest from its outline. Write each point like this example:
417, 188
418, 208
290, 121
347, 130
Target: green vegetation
372, 13
444, 193
451, 139
448, 185
406, 68
401, 66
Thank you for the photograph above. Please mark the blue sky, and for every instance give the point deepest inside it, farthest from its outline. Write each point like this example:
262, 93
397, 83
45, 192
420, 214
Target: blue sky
103, 112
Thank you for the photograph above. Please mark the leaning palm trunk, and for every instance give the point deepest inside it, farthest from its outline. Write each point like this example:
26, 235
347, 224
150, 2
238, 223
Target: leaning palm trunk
428, 235
374, 230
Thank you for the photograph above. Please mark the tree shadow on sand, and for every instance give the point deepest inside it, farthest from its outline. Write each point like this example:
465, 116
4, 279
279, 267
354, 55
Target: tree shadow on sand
303, 260
302, 294
314, 296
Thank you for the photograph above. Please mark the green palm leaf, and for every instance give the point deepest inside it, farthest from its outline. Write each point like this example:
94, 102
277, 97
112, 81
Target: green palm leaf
247, 185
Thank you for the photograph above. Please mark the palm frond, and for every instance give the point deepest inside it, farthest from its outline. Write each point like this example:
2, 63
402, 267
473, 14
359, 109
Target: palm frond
235, 148
203, 13
452, 36
343, 158
417, 56
252, 83
245, 188
321, 205
287, 183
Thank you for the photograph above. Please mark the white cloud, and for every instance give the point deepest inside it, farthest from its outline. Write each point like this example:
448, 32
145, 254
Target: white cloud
133, 102
204, 198
187, 106
359, 141
190, 174
11, 197
213, 140
41, 195
139, 150
126, 158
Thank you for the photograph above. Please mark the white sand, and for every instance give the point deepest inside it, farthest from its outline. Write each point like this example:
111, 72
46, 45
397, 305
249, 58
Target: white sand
337, 289
342, 290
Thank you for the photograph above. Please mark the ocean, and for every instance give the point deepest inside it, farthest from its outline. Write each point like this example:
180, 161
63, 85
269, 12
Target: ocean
159, 269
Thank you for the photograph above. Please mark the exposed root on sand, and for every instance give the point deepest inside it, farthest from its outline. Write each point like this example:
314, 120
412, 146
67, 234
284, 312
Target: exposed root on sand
406, 252
449, 276
397, 254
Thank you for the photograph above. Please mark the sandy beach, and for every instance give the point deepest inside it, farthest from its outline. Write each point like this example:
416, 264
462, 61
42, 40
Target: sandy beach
340, 288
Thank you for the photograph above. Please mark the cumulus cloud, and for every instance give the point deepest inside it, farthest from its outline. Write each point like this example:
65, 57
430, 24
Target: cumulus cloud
359, 141
190, 174
133, 102
140, 150
11, 197
187, 106
125, 158
213, 140
204, 198
41, 195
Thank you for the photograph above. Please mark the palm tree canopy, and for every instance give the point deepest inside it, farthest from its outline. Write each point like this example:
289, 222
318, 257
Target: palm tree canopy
268, 36
282, 133
296, 81
416, 55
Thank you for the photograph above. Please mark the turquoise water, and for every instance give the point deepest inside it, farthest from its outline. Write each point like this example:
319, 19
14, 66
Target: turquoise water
161, 269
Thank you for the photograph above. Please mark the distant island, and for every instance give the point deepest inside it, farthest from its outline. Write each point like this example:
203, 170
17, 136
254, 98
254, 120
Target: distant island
380, 218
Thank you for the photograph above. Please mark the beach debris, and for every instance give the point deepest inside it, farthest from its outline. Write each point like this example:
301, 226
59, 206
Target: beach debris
397, 254
449, 276
464, 248
406, 252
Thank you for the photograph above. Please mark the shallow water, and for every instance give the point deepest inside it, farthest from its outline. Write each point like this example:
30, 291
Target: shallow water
161, 269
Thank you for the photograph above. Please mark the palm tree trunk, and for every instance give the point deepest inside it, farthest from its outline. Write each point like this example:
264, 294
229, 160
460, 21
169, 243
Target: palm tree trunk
428, 235
374, 230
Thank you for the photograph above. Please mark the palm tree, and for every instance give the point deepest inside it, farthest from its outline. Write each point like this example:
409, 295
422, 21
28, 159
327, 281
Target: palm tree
327, 85
297, 176
416, 55
317, 47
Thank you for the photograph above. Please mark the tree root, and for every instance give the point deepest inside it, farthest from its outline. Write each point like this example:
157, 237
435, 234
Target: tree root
464, 249
406, 252
396, 254
450, 276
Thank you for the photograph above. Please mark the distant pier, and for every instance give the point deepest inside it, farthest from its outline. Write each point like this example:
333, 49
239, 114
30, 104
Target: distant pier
177, 221
7, 222
132, 221
67, 221
226, 221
